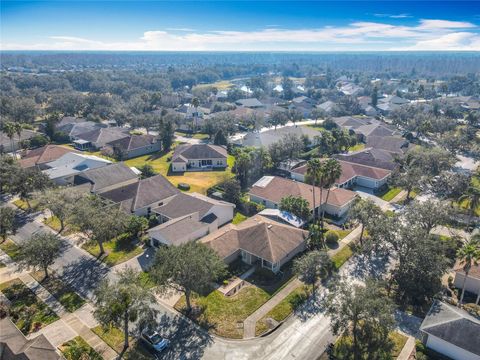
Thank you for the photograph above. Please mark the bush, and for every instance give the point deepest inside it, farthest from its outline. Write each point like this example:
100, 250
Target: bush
183, 186
331, 237
4, 310
251, 208
472, 309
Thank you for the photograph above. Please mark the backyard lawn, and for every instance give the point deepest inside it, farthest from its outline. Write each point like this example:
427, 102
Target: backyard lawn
198, 181
117, 250
11, 249
225, 315
61, 291
284, 308
27, 311
77, 349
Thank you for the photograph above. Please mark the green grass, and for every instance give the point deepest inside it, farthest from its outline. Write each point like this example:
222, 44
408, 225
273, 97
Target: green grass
220, 85
11, 249
54, 223
146, 280
112, 336
117, 250
390, 193
78, 349
343, 345
199, 136
342, 256
27, 311
357, 147
60, 291
284, 308
238, 218
318, 127
222, 314
23, 205
343, 233
199, 181
399, 341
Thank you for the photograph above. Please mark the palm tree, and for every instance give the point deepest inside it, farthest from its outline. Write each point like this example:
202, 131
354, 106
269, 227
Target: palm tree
18, 130
331, 172
9, 129
314, 170
468, 255
195, 104
472, 196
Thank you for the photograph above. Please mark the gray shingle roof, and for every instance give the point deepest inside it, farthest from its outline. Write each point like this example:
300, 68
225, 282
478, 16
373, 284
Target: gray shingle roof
391, 144
182, 205
177, 231
103, 136
133, 142
198, 151
106, 176
142, 193
251, 102
371, 157
453, 325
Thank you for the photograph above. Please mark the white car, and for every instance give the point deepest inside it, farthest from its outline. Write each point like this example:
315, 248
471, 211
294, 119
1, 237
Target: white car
155, 341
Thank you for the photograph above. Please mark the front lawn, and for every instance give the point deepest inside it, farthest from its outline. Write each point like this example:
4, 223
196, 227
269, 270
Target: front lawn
23, 205
78, 349
225, 315
390, 193
118, 250
11, 249
112, 336
61, 291
199, 181
342, 256
356, 147
27, 311
344, 343
283, 308
238, 218
54, 223
343, 233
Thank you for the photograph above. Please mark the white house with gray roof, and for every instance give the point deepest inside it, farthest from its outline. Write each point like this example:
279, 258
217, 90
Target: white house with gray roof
451, 332
197, 157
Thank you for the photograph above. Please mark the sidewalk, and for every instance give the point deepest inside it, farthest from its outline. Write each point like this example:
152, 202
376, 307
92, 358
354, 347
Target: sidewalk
354, 235
407, 349
69, 324
250, 322
399, 197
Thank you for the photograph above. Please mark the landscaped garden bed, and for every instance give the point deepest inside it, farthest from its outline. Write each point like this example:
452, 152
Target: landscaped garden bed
61, 291
27, 311
118, 250
78, 349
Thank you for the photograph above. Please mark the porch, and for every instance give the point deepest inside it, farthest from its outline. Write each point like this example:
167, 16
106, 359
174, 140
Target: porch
251, 259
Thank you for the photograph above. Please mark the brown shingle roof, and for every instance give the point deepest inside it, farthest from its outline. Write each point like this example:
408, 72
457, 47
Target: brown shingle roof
278, 188
351, 170
260, 236
43, 155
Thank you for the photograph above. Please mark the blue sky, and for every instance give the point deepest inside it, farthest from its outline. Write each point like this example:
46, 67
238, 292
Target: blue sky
240, 25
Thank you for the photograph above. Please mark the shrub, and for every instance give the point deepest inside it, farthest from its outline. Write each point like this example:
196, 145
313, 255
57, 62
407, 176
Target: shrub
4, 310
472, 309
183, 186
331, 237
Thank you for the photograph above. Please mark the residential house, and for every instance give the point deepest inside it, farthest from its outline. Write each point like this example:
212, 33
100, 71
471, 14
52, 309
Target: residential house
133, 146
268, 137
62, 170
353, 174
188, 217
472, 283
72, 126
139, 197
328, 106
387, 104
365, 131
451, 332
395, 145
98, 138
15, 346
105, 178
270, 190
184, 204
194, 157
41, 156
352, 123
9, 145
377, 158
303, 104
258, 241
251, 103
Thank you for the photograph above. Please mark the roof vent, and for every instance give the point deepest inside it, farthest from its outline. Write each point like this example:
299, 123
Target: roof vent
269, 226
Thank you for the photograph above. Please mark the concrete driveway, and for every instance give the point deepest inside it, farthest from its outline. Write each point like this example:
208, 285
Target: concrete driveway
365, 193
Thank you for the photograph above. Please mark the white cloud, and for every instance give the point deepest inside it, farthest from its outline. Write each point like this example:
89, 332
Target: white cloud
428, 34
393, 16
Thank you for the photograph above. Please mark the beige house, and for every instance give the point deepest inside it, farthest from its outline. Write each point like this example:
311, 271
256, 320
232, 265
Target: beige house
258, 241
198, 157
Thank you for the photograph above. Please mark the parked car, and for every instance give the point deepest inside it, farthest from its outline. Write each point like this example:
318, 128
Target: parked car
154, 341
